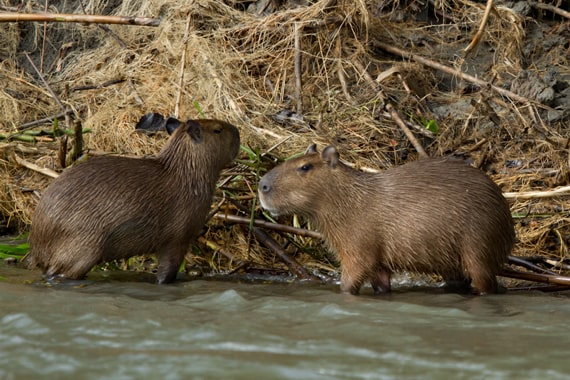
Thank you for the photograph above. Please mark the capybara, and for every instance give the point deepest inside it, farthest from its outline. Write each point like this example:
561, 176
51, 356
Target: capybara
116, 207
437, 216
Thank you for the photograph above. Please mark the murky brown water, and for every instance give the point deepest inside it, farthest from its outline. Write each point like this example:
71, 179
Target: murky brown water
220, 329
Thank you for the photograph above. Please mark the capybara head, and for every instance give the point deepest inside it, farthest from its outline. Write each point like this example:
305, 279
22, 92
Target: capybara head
295, 186
117, 207
214, 141
430, 216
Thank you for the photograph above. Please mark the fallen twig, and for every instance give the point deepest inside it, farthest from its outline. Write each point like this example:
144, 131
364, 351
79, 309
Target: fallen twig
29, 165
477, 37
560, 191
48, 119
97, 86
219, 249
298, 68
295, 268
88, 19
451, 71
182, 66
44, 40
536, 277
265, 224
417, 128
551, 8
527, 264
122, 43
419, 148
55, 97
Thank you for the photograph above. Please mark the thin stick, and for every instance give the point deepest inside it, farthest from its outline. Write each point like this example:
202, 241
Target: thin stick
451, 71
182, 66
59, 103
343, 83
215, 247
29, 165
44, 41
88, 19
528, 265
551, 8
341, 76
560, 191
48, 119
298, 81
214, 75
417, 128
295, 268
265, 224
477, 37
396, 117
122, 43
365, 74
536, 277
97, 86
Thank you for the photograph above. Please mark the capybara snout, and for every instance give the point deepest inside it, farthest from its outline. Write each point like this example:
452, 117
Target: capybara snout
117, 207
437, 216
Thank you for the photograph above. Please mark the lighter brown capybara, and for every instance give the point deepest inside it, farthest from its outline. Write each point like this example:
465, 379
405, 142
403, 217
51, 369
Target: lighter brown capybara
435, 216
116, 207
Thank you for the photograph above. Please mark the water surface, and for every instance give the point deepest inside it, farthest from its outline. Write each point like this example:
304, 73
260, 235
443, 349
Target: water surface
205, 329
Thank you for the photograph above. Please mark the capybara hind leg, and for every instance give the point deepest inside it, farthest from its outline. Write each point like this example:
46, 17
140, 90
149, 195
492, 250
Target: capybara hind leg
380, 281
485, 284
482, 278
169, 262
457, 282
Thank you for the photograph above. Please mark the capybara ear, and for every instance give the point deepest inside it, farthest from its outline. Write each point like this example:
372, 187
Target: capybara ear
311, 149
331, 156
194, 130
171, 124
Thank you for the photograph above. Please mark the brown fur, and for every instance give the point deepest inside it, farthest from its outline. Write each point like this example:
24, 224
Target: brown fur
431, 216
116, 207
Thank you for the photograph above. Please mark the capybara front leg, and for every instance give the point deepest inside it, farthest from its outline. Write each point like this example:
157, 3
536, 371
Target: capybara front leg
169, 262
380, 281
351, 281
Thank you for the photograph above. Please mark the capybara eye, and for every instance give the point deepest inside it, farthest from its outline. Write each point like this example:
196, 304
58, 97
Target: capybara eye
306, 167
217, 131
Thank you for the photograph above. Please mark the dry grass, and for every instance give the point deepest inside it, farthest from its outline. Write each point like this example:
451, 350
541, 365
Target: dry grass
240, 67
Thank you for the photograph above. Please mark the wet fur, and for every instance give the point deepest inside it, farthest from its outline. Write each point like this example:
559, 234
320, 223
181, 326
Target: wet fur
116, 207
431, 216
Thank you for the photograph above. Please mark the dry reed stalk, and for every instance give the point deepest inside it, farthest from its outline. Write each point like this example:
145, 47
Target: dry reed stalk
182, 66
417, 146
456, 73
269, 225
34, 167
89, 19
479, 35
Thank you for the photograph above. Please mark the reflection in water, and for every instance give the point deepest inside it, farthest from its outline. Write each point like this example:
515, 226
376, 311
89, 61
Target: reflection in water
213, 329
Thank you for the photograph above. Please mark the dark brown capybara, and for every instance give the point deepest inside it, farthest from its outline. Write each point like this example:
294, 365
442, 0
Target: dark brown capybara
435, 216
116, 207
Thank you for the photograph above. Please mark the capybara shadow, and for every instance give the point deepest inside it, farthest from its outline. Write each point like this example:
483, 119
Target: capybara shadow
113, 207
436, 216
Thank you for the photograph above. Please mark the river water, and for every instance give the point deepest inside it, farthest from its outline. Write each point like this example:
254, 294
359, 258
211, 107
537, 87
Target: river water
214, 329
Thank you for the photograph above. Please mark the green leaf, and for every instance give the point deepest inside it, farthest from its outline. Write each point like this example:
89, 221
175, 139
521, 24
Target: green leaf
431, 125
199, 109
13, 250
